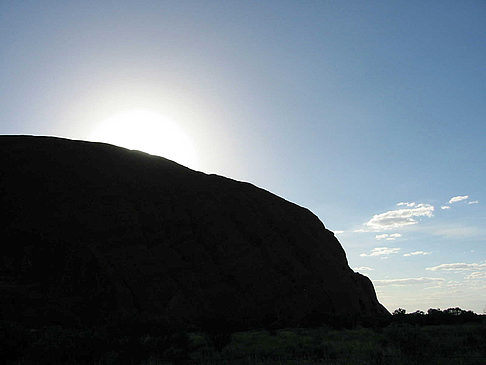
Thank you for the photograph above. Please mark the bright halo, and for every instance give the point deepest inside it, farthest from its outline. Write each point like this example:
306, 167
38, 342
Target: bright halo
148, 132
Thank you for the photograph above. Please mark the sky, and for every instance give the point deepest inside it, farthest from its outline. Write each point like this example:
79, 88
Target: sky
370, 114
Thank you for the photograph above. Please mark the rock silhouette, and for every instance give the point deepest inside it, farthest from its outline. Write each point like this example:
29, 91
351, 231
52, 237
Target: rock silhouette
92, 232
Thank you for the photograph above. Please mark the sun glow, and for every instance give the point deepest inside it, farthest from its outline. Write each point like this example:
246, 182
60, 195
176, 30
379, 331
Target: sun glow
148, 132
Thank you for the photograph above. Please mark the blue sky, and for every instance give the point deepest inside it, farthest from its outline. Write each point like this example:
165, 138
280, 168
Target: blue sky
345, 107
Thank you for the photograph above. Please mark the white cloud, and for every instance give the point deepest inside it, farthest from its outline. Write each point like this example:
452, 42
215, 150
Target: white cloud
382, 251
417, 253
338, 232
400, 217
445, 207
407, 204
363, 268
458, 198
473, 202
458, 267
388, 237
454, 284
407, 281
451, 230
477, 275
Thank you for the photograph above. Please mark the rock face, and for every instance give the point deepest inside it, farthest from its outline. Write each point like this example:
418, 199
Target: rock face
91, 231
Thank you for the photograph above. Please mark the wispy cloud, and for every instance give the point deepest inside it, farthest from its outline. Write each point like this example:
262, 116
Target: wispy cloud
407, 204
407, 281
417, 253
363, 268
476, 275
388, 237
476, 271
400, 217
458, 267
445, 207
458, 198
453, 230
382, 251
338, 232
473, 202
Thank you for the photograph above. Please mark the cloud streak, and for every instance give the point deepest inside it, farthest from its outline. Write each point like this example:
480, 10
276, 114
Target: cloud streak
417, 253
476, 275
455, 231
363, 268
399, 218
388, 237
458, 198
406, 204
476, 271
381, 251
458, 267
407, 281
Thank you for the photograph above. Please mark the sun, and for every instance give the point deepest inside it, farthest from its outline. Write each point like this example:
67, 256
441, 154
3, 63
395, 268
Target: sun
149, 132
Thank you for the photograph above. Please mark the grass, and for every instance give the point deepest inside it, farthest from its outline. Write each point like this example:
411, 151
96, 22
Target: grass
396, 344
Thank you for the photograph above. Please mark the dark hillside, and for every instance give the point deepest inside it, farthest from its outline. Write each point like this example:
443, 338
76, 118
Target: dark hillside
92, 232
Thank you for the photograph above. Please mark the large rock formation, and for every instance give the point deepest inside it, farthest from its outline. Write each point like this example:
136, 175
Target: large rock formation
91, 231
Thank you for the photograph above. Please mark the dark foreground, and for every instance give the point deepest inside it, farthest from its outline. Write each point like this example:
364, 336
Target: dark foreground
396, 343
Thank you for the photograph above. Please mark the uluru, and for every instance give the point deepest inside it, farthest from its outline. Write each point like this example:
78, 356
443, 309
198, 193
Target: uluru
92, 231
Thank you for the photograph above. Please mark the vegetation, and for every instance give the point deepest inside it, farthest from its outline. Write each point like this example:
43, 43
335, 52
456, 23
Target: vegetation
451, 336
